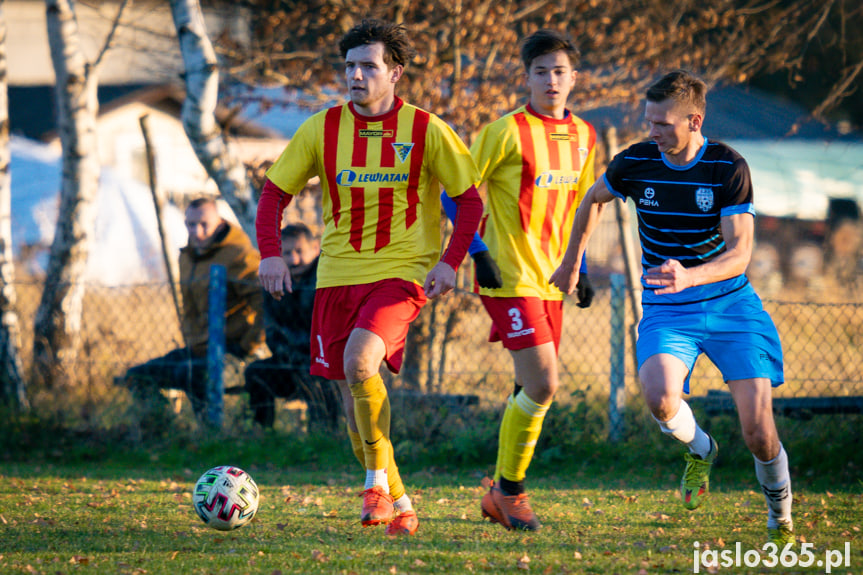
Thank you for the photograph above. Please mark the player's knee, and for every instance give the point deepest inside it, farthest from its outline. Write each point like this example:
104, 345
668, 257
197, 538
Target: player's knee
662, 405
762, 442
358, 368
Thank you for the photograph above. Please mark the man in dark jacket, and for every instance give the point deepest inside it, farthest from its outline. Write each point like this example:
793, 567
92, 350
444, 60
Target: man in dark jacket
288, 324
212, 241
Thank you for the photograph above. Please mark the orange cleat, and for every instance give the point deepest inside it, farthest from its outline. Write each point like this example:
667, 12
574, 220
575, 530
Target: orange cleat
511, 511
404, 524
377, 506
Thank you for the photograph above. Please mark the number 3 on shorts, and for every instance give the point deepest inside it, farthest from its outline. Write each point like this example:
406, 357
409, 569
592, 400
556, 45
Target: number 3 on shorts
517, 322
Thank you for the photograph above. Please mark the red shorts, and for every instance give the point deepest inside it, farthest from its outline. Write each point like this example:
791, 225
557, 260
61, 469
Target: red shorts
522, 322
386, 308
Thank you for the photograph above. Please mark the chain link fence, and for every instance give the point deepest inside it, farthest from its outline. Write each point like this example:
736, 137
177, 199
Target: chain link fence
448, 355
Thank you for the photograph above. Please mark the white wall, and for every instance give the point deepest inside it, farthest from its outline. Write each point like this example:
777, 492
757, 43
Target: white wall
145, 48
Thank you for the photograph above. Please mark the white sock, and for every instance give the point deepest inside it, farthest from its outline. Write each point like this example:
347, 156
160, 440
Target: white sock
377, 477
403, 504
776, 485
683, 428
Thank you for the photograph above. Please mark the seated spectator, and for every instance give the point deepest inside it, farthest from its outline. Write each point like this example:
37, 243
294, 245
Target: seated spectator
212, 241
288, 324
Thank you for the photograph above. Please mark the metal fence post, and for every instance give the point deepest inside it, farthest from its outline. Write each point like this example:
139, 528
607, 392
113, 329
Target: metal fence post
617, 388
216, 344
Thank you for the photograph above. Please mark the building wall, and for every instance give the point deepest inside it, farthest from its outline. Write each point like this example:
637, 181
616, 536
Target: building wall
145, 47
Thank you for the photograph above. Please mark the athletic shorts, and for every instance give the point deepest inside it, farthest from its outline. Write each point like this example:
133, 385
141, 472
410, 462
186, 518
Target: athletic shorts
385, 307
733, 331
522, 322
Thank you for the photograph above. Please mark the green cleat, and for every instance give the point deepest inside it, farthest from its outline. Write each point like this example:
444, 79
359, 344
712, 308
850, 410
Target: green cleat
696, 477
781, 536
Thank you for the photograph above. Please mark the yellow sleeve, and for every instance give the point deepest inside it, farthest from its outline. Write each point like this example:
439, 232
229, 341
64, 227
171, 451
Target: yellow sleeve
299, 161
489, 150
450, 160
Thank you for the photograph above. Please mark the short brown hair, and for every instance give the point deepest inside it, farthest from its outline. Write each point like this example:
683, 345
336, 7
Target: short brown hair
544, 42
202, 201
681, 86
296, 231
397, 47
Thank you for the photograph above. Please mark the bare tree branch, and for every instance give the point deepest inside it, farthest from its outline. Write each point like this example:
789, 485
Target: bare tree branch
109, 41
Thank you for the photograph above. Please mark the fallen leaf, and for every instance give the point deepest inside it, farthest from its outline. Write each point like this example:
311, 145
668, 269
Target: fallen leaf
318, 555
524, 562
419, 563
174, 555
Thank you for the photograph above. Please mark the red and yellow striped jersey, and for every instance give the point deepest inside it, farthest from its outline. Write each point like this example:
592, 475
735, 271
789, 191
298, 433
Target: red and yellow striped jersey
381, 179
537, 170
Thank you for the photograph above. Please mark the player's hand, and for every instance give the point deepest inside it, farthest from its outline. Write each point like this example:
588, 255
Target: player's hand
671, 275
565, 277
487, 272
584, 290
440, 280
274, 276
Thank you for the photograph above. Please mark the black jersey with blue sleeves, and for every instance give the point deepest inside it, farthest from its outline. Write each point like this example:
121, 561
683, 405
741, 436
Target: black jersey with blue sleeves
679, 207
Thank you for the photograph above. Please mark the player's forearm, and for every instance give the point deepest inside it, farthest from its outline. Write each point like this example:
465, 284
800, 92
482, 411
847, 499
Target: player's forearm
583, 225
739, 232
465, 224
730, 264
450, 208
268, 221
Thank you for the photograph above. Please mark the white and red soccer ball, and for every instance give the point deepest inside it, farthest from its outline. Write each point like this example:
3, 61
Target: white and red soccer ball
226, 497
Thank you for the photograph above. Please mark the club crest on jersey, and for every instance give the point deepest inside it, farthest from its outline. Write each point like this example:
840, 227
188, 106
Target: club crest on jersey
704, 199
403, 150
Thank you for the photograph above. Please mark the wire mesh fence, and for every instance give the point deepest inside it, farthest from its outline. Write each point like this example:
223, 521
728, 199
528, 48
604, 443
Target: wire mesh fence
448, 354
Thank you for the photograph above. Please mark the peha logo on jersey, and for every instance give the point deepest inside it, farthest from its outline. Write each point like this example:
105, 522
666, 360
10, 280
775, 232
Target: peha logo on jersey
348, 178
648, 200
548, 179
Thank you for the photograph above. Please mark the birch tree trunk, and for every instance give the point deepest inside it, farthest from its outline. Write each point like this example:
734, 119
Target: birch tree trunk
12, 389
57, 328
199, 113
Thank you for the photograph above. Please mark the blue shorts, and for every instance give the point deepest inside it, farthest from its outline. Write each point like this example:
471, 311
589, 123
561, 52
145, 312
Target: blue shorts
733, 330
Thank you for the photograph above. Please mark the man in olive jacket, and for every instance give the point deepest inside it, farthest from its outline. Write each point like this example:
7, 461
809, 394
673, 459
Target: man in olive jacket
212, 241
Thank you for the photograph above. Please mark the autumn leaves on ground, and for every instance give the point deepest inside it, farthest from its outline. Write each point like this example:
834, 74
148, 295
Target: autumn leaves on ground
615, 512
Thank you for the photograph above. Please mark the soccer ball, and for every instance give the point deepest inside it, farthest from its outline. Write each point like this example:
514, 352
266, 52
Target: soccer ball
226, 497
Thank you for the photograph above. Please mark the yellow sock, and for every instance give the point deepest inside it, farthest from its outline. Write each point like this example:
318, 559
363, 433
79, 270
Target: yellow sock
519, 435
357, 446
397, 488
373, 421
501, 438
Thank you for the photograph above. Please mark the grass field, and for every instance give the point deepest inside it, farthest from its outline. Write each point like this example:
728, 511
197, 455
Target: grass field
109, 509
